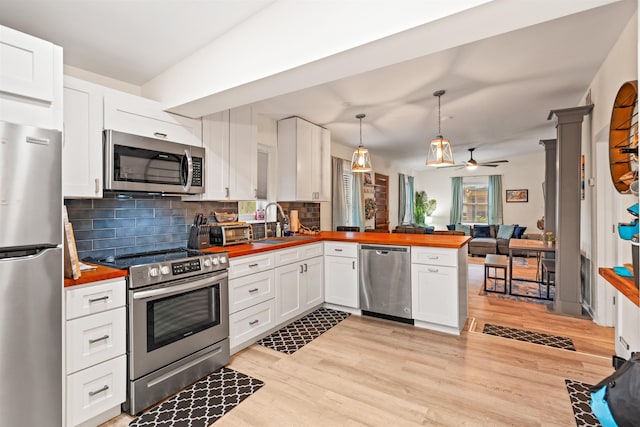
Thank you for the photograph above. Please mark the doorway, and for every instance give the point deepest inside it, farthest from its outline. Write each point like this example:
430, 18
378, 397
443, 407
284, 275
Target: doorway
382, 201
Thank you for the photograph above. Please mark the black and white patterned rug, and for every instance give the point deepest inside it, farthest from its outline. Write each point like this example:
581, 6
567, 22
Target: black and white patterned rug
301, 332
529, 336
579, 396
202, 403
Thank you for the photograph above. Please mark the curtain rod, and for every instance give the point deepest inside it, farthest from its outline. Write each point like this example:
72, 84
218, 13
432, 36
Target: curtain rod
475, 176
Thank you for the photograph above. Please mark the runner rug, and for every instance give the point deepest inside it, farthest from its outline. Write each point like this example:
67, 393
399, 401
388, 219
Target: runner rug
529, 336
301, 332
202, 403
579, 397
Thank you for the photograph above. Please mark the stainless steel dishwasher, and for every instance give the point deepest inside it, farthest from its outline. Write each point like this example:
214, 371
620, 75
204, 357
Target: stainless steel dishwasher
385, 281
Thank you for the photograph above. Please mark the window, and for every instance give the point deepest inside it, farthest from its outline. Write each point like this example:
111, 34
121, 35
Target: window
475, 200
347, 186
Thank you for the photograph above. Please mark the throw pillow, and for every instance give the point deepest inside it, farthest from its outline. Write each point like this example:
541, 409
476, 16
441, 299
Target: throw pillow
505, 231
429, 229
481, 231
465, 228
451, 227
519, 232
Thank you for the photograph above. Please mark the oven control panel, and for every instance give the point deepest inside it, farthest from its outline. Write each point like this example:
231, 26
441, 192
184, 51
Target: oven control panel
185, 267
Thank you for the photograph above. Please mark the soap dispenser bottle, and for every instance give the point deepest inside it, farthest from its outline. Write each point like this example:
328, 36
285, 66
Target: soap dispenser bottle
278, 230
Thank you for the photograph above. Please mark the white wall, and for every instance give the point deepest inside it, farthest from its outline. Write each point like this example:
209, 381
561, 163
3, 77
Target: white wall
604, 207
522, 172
382, 166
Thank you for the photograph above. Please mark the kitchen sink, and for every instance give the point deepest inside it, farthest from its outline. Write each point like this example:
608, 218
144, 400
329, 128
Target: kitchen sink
276, 240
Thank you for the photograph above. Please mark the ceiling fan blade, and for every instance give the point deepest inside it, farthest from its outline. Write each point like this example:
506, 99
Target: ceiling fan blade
498, 161
488, 165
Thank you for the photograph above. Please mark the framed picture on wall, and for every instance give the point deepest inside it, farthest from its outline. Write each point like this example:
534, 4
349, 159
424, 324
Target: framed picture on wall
368, 180
517, 196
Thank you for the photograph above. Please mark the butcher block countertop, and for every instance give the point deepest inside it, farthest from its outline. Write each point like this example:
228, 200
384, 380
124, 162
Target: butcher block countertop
100, 273
623, 284
398, 239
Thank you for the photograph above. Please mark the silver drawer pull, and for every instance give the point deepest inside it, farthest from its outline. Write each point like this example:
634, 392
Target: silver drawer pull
254, 322
253, 265
433, 257
433, 270
624, 343
104, 388
160, 134
353, 265
104, 298
253, 290
338, 250
102, 338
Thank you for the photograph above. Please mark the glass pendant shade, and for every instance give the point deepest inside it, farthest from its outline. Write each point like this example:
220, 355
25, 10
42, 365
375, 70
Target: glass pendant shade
440, 153
361, 161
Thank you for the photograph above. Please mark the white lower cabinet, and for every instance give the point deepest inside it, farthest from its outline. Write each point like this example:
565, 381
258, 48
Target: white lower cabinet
341, 275
313, 282
289, 291
627, 330
439, 288
268, 290
434, 294
95, 350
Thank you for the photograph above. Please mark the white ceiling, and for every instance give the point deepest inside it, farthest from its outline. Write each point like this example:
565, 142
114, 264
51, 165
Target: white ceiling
499, 90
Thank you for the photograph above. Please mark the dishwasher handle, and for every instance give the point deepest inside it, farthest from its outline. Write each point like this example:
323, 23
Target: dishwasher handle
384, 249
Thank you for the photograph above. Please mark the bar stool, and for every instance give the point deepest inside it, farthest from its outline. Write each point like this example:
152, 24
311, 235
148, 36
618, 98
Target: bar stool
497, 262
548, 269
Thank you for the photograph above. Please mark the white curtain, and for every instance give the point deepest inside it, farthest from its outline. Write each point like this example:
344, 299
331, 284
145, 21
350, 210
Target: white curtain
340, 214
405, 199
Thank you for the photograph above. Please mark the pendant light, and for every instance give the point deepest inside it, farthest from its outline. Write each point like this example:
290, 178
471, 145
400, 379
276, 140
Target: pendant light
440, 148
361, 161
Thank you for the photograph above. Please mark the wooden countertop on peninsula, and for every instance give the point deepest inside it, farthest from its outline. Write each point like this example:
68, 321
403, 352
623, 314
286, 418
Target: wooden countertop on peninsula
397, 239
100, 273
623, 284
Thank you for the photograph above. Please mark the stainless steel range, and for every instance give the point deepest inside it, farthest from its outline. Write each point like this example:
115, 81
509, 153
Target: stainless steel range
178, 320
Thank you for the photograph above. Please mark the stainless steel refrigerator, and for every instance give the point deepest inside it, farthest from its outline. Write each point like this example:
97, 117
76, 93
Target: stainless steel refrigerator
31, 280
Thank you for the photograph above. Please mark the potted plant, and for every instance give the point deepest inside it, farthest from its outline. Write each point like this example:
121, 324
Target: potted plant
423, 207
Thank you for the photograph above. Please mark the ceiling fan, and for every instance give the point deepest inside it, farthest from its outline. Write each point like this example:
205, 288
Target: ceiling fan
472, 163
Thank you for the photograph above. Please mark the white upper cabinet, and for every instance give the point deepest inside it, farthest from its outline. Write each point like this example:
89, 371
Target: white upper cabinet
141, 116
82, 146
30, 80
304, 156
231, 143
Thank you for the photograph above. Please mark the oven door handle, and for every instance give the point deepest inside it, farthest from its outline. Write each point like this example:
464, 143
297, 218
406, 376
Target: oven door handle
177, 289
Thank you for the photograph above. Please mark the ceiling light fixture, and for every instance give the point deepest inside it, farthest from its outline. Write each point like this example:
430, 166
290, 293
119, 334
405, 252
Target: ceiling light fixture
361, 161
439, 149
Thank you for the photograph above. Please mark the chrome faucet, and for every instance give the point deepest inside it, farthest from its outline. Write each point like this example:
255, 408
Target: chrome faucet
276, 204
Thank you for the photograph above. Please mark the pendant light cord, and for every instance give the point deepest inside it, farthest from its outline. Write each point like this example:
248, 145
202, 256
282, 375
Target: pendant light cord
439, 131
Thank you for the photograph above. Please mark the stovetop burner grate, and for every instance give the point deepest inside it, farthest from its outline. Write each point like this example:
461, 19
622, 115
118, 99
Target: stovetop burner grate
141, 258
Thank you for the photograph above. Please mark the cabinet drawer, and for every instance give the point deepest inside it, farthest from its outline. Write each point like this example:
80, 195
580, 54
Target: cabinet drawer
311, 250
341, 249
247, 324
287, 256
242, 266
95, 390
434, 256
95, 298
141, 116
250, 290
95, 339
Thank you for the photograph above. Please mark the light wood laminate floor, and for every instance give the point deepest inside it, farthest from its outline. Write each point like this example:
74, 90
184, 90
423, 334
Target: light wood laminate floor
370, 372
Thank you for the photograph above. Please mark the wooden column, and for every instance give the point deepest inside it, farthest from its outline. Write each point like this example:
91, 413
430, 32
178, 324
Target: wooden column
569, 127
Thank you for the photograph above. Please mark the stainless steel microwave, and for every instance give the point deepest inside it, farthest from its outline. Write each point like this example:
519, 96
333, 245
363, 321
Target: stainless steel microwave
138, 163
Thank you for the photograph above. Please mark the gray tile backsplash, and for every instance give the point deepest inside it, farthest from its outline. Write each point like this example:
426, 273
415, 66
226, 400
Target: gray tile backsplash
120, 226
116, 226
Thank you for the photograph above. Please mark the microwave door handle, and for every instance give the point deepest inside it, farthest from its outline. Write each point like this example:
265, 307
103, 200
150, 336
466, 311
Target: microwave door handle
187, 184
